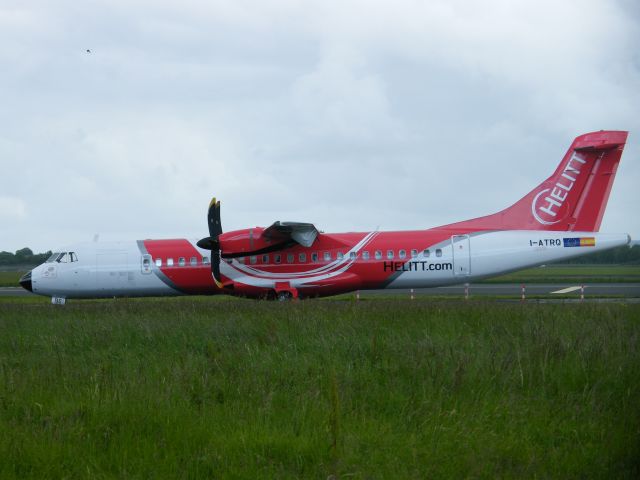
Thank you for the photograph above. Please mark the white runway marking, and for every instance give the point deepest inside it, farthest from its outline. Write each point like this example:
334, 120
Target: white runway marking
567, 290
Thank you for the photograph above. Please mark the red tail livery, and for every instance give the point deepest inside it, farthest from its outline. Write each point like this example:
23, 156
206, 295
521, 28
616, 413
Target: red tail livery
574, 197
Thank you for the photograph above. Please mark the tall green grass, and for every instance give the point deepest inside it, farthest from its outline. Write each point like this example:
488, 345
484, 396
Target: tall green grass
378, 389
10, 279
580, 273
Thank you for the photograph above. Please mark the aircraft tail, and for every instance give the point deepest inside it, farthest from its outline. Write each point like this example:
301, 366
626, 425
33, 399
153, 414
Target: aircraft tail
574, 197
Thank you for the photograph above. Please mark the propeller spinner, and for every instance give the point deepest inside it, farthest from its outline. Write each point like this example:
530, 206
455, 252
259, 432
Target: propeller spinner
211, 242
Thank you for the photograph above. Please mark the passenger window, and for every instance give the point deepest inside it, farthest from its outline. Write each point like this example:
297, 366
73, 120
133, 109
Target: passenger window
193, 261
240, 260
181, 262
314, 257
353, 255
302, 258
169, 262
158, 262
414, 253
327, 256
265, 259
277, 258
389, 254
438, 252
290, 257
205, 260
427, 253
378, 254
403, 254
253, 259
340, 255
365, 255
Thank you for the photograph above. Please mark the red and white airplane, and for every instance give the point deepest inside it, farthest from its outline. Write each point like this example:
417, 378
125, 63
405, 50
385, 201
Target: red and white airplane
557, 220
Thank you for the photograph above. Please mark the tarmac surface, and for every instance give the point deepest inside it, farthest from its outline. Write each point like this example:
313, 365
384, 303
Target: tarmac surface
14, 292
552, 290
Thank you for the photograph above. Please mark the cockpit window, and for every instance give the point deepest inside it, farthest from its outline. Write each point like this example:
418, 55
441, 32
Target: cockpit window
53, 257
62, 257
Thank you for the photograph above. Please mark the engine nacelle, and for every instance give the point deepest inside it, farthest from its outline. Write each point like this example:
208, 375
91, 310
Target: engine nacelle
244, 242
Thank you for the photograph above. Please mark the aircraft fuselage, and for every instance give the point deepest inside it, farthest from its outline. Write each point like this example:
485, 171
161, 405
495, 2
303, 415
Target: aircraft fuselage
336, 263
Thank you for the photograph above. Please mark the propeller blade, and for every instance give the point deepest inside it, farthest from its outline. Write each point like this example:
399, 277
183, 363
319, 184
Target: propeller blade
213, 217
215, 268
211, 242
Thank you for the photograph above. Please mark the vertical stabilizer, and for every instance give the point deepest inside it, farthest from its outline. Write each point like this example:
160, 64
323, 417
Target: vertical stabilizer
574, 197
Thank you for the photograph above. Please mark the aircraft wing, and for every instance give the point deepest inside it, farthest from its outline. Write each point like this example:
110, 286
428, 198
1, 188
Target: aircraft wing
302, 233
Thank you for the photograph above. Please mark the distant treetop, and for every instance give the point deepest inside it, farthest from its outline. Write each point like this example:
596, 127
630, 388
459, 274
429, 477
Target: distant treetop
24, 256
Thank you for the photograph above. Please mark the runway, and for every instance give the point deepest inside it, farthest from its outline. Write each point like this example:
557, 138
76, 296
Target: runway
14, 292
552, 290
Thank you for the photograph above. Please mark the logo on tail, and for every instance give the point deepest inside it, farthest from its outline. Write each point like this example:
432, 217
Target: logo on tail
551, 208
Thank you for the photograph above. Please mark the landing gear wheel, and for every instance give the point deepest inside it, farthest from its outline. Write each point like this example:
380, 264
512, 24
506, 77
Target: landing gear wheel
284, 296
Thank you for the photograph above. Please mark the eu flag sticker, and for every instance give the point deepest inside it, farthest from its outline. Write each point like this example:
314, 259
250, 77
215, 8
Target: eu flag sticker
580, 242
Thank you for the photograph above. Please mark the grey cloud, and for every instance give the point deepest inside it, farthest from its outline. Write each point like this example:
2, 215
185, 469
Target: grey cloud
348, 114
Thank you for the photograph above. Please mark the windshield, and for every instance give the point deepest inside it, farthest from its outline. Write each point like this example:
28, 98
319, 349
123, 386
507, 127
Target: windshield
53, 257
62, 257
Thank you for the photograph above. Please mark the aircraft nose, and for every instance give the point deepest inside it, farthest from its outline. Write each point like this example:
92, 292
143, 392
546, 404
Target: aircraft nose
25, 281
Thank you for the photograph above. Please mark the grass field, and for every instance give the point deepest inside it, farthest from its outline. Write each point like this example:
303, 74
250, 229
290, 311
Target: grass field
10, 279
572, 273
224, 388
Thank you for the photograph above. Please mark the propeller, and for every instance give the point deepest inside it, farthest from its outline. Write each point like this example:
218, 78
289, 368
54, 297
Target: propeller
211, 242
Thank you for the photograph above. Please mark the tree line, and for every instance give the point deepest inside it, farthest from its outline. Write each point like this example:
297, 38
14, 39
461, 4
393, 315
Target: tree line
24, 256
620, 255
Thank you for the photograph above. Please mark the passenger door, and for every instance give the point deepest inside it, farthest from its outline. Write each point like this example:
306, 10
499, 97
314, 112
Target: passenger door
146, 264
461, 255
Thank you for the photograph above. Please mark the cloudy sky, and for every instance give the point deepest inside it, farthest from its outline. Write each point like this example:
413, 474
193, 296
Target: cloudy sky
349, 114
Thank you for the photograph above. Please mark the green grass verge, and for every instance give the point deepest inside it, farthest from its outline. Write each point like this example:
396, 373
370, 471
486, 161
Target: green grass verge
572, 274
387, 389
10, 279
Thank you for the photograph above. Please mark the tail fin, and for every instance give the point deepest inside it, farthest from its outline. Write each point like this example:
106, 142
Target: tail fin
574, 197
